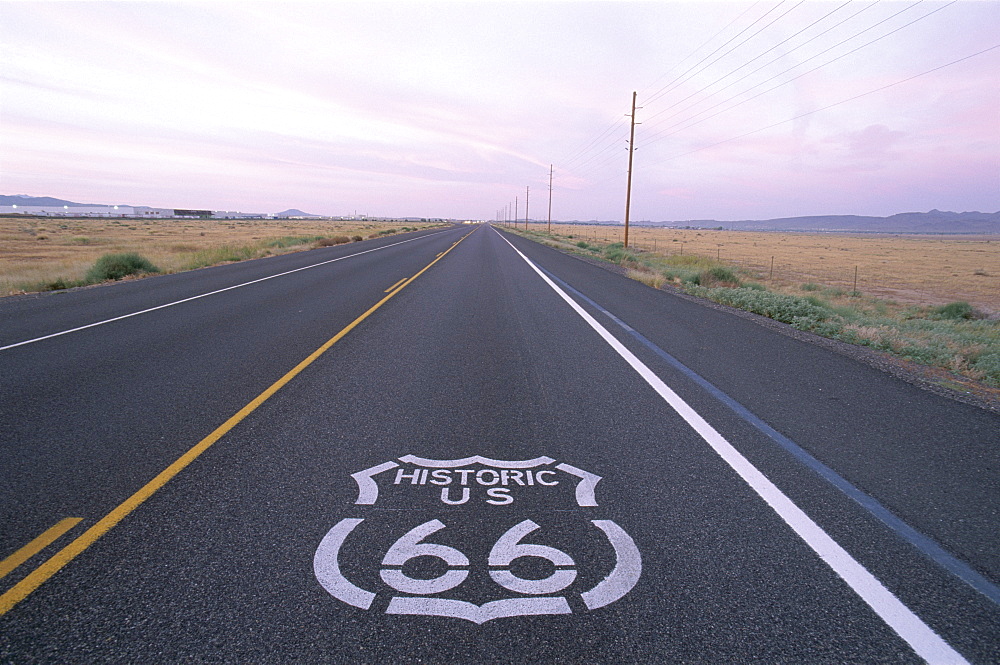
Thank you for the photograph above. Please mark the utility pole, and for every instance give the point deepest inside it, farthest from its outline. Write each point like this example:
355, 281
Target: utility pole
515, 212
631, 150
550, 199
526, 190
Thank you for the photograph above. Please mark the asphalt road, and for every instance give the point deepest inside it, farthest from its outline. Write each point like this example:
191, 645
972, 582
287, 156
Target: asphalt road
460, 446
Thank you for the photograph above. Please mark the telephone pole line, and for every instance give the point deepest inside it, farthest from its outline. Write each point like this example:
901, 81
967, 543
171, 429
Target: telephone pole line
550, 199
631, 150
526, 189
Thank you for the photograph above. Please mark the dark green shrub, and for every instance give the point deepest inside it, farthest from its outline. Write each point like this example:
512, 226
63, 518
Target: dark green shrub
723, 274
116, 266
583, 244
787, 309
719, 275
989, 364
954, 310
815, 300
617, 253
292, 241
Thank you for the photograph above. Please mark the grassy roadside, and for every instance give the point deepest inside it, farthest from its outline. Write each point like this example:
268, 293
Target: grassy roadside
954, 337
49, 255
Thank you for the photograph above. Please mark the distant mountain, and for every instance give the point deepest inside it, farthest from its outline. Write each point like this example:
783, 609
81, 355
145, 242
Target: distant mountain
294, 212
934, 221
25, 200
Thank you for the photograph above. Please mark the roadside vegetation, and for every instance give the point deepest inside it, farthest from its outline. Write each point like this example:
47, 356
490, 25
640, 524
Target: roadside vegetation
956, 336
51, 254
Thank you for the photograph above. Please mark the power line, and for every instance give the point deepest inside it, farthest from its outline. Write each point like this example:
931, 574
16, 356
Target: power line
593, 161
573, 161
580, 153
616, 146
701, 46
830, 106
608, 158
596, 154
778, 18
784, 41
664, 90
666, 132
770, 62
785, 71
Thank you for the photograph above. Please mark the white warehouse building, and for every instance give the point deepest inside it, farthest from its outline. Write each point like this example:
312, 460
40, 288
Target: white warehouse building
69, 211
140, 212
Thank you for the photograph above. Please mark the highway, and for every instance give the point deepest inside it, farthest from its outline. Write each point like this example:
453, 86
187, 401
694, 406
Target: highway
461, 446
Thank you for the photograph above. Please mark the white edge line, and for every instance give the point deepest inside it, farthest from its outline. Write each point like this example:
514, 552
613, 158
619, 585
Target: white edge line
205, 295
927, 644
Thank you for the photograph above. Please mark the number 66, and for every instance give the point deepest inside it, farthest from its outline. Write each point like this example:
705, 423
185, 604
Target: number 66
507, 548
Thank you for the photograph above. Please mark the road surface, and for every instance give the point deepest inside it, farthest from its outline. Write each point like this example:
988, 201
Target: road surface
461, 446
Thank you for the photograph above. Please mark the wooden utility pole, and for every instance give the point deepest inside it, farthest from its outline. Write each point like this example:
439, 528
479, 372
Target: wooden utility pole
631, 150
550, 199
515, 212
526, 189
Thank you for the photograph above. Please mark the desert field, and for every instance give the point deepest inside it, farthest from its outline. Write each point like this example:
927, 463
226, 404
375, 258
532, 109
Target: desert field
909, 269
38, 251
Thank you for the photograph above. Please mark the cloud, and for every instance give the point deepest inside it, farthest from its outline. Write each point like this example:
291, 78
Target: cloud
868, 149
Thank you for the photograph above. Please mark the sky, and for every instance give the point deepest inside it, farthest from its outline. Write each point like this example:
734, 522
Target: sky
463, 109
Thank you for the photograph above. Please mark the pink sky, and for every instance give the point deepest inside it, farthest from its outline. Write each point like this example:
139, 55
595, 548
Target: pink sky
453, 109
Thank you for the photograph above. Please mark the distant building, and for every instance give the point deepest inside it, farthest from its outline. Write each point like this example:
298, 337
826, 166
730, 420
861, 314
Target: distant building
192, 214
140, 212
229, 214
68, 211
145, 212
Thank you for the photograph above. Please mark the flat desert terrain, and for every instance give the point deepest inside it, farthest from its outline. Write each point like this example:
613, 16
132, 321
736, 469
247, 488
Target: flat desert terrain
41, 250
910, 269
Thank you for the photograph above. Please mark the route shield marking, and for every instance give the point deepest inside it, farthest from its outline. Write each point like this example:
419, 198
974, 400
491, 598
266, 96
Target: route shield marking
421, 577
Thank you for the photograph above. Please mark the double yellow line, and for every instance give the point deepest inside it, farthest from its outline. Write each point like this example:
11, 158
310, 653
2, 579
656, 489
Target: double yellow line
37, 577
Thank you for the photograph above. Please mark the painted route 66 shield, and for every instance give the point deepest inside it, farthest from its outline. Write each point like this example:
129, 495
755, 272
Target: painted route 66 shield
477, 539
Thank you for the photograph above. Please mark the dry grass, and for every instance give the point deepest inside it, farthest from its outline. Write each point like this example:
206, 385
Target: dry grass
902, 283
656, 280
910, 269
39, 251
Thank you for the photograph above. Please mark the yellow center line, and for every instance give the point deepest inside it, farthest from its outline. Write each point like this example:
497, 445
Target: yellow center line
38, 544
397, 284
37, 577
